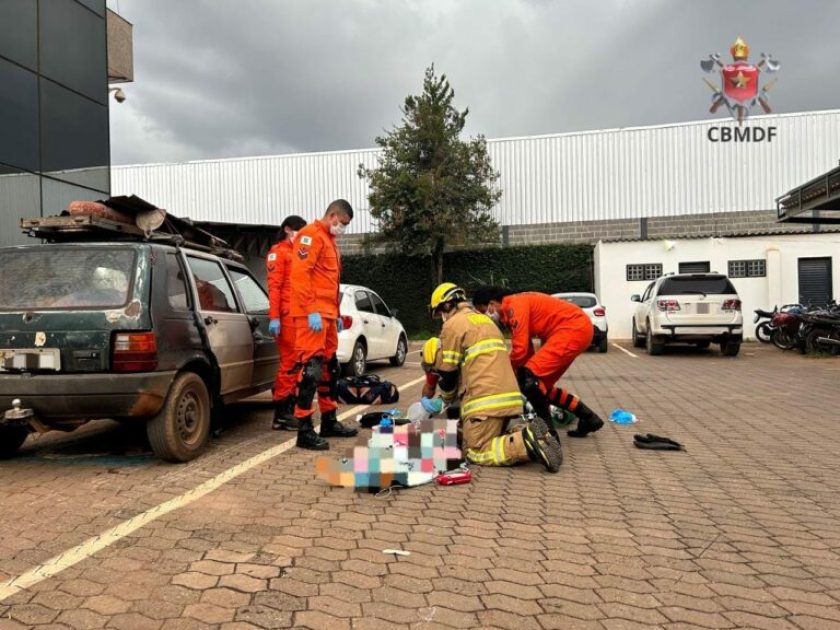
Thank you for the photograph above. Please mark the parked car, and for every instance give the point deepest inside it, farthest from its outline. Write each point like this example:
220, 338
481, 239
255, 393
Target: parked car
696, 308
597, 313
131, 331
371, 332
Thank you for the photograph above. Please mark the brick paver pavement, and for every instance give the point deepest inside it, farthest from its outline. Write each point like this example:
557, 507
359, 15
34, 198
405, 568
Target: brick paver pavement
741, 530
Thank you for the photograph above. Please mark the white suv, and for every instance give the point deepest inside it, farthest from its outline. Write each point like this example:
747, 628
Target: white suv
597, 315
695, 308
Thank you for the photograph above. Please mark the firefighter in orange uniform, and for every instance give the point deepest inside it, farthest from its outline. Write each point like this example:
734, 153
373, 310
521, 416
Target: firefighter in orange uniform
565, 332
278, 265
316, 270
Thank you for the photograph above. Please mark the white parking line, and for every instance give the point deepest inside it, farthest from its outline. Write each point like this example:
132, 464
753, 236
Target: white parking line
625, 350
67, 559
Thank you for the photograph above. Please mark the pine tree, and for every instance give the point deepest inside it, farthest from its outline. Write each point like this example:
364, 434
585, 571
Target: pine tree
432, 189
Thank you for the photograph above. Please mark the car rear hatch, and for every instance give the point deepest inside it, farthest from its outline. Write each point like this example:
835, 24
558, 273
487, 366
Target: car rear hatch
62, 306
702, 300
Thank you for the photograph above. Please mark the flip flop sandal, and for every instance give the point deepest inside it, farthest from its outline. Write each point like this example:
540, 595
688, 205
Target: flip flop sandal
655, 442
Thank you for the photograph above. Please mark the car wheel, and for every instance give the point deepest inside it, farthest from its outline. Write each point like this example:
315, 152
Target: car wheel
654, 346
603, 345
638, 340
402, 350
11, 439
358, 360
179, 432
730, 347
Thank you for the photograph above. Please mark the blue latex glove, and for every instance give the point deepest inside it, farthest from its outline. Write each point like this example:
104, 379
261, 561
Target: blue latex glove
315, 323
274, 327
339, 324
431, 405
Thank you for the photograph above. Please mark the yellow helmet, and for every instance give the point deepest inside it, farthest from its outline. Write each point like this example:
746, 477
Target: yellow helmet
444, 293
430, 350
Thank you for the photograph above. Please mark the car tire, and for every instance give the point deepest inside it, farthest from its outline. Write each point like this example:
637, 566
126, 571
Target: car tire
402, 350
638, 340
603, 345
654, 346
730, 348
11, 439
179, 432
357, 366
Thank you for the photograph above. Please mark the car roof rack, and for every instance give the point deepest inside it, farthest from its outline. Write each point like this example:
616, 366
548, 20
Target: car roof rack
125, 219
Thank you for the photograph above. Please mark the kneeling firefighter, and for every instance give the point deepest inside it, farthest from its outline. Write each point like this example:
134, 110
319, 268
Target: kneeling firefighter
473, 358
565, 332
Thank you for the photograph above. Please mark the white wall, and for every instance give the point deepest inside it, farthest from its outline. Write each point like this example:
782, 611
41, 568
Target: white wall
780, 286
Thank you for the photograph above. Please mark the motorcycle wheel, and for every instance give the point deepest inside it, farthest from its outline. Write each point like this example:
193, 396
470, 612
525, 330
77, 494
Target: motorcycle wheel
782, 340
763, 332
813, 346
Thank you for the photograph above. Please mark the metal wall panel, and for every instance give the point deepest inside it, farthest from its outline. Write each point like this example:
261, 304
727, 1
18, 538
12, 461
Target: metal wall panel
597, 175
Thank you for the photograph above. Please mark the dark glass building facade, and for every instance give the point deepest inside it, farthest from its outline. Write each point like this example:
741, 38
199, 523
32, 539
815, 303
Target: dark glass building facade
54, 144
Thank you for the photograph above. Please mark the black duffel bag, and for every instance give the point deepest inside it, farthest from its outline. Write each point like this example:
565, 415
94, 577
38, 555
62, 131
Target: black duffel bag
367, 390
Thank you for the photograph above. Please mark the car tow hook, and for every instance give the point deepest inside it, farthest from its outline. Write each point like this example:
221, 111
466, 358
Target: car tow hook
19, 416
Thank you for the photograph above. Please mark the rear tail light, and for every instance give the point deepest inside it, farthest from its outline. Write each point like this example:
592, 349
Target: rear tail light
731, 305
346, 321
134, 352
600, 312
667, 306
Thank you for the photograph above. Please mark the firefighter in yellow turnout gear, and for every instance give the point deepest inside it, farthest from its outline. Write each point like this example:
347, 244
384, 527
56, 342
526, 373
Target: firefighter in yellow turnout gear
472, 359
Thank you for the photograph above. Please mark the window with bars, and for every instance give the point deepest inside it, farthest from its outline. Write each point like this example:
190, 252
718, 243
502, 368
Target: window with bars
644, 272
747, 268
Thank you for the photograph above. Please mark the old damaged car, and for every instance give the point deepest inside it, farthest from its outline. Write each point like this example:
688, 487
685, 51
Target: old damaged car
132, 331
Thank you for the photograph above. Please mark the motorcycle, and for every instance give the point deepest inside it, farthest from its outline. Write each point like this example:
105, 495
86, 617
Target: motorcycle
785, 326
820, 332
764, 329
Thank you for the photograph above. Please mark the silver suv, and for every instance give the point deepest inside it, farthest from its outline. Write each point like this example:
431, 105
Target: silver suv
694, 308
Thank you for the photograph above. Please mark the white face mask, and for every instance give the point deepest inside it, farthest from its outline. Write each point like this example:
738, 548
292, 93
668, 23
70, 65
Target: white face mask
292, 235
337, 229
495, 317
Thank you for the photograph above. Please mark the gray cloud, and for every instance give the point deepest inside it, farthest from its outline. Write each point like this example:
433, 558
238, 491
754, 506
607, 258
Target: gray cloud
230, 78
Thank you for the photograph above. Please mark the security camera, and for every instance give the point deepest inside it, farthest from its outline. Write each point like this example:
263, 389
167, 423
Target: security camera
119, 95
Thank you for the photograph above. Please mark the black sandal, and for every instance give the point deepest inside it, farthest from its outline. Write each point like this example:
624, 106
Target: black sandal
656, 442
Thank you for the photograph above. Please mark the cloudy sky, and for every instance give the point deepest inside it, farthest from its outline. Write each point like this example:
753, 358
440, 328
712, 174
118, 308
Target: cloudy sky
228, 78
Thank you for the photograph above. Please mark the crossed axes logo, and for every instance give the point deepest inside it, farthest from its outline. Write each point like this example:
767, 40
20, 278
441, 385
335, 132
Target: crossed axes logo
739, 87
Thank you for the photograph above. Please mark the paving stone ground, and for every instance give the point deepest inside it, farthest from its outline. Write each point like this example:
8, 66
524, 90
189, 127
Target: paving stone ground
740, 531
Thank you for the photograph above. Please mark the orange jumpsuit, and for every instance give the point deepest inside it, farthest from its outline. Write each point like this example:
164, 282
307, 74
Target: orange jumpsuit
279, 267
564, 330
316, 270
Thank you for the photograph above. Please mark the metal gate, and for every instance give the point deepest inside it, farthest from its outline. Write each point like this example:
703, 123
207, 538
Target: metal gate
815, 281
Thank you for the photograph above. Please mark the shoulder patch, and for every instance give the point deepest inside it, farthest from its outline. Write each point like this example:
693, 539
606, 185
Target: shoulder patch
272, 257
306, 240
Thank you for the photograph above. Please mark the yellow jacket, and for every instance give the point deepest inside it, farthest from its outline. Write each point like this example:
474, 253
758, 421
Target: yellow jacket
472, 344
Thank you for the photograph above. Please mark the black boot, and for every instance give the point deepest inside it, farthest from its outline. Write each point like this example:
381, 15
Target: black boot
284, 415
542, 446
588, 422
307, 438
331, 427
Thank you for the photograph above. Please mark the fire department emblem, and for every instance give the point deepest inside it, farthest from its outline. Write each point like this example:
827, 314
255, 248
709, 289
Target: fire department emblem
739, 87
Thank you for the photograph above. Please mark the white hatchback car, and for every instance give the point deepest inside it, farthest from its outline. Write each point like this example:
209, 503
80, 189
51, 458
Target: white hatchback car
592, 306
371, 332
694, 308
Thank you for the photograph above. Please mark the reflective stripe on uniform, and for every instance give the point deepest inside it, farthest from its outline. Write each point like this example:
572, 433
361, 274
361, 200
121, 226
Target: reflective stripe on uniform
495, 401
451, 357
493, 455
483, 347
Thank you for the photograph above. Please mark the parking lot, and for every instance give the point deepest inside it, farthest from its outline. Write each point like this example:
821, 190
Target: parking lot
740, 530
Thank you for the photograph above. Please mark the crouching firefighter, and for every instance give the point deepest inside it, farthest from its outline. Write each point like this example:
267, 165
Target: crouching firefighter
316, 269
281, 326
565, 332
473, 359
